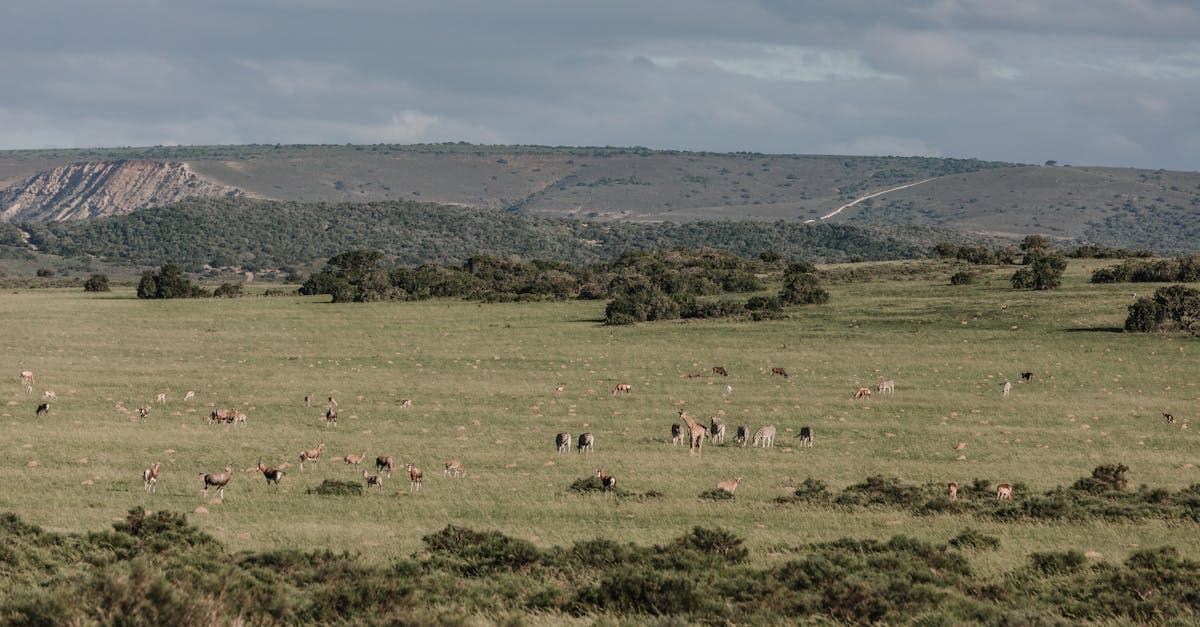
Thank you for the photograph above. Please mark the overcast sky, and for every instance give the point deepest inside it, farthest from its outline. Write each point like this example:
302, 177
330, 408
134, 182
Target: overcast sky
1084, 82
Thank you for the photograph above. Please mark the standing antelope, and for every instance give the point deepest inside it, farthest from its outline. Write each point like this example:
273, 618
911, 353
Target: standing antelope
765, 436
953, 491
406, 403
862, 393
806, 436
218, 480
1027, 376
887, 385
560, 388
414, 478
239, 418
622, 387
743, 435
355, 460
729, 486
607, 482
331, 416
150, 478
717, 428
586, 442
1004, 492
696, 433
385, 462
143, 411
454, 468
42, 410
780, 371
563, 442
49, 395
1006, 388
676, 433
272, 475
311, 455
373, 481
161, 398
1169, 417
27, 378
308, 400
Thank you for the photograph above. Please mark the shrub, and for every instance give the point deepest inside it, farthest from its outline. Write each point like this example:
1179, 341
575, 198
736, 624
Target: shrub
715, 541
962, 278
1109, 477
96, 283
1172, 307
333, 487
716, 494
168, 282
1043, 273
228, 290
476, 553
1057, 563
45, 272
974, 539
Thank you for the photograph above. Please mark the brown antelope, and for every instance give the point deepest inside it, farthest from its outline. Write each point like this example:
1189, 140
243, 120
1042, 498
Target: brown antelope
143, 411
862, 393
27, 378
1169, 417
717, 429
1004, 492
239, 418
454, 468
161, 398
311, 455
563, 442
42, 410
729, 486
607, 482
1006, 388
272, 475
373, 481
49, 395
414, 478
696, 433
218, 480
406, 403
308, 400
560, 388
331, 416
622, 387
355, 460
385, 462
721, 371
780, 371
222, 415
332, 402
887, 385
676, 433
952, 491
150, 478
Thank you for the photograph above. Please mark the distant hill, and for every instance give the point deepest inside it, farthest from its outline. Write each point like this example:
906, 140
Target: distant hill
1115, 207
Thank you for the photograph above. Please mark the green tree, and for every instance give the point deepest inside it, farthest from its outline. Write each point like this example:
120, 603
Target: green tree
96, 283
1043, 273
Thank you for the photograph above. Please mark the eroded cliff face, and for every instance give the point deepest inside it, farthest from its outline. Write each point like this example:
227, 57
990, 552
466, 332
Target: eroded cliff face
103, 188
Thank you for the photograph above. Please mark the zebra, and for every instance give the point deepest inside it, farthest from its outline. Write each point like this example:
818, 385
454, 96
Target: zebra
676, 434
743, 435
765, 436
806, 436
586, 441
563, 442
717, 429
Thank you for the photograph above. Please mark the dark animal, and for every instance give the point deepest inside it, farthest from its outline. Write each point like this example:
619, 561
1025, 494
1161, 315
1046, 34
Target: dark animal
586, 442
743, 435
806, 435
43, 410
1027, 376
385, 462
780, 371
1169, 417
563, 442
721, 371
273, 475
676, 434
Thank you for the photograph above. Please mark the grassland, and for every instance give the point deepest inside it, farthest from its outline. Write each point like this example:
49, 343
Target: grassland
482, 379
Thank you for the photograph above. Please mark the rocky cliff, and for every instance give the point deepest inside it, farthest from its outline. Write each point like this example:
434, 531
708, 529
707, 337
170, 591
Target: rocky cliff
103, 188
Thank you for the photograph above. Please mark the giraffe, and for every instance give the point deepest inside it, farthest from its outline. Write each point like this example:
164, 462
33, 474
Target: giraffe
696, 433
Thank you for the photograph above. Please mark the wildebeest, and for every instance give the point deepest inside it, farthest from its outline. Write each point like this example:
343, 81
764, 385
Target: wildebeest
780, 371
1027, 376
42, 410
806, 436
721, 371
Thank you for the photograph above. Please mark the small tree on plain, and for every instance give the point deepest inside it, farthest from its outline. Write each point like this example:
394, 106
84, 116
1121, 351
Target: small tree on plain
96, 283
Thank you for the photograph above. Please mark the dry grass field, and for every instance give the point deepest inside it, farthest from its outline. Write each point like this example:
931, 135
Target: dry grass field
482, 380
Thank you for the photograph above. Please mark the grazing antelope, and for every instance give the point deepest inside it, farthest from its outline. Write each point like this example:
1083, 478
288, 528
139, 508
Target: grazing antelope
622, 387
49, 395
862, 393
676, 433
743, 435
1027, 376
308, 400
887, 385
218, 480
729, 486
331, 416
1004, 492
27, 378
586, 442
607, 482
780, 371
272, 475
560, 388
222, 415
765, 436
952, 491
385, 462
414, 478
721, 371
563, 442
406, 403
355, 460
190, 395
150, 478
806, 436
696, 433
239, 418
373, 481
717, 428
454, 468
1169, 417
311, 455
1006, 388
143, 411
161, 398
42, 410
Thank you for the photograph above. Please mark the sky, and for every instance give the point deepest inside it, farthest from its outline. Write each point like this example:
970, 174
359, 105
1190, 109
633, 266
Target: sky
1081, 82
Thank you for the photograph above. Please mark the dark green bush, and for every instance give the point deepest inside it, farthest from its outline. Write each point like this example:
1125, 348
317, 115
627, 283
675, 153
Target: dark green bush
228, 290
333, 487
974, 539
962, 278
1109, 477
1057, 563
96, 283
717, 494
